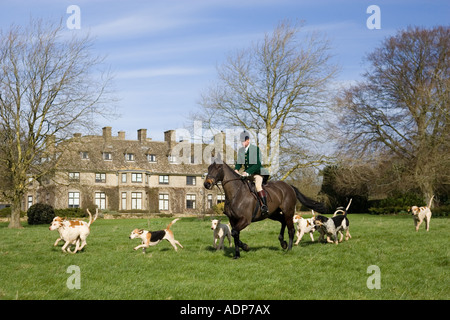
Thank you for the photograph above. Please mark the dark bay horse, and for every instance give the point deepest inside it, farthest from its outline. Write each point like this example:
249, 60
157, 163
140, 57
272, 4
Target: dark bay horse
241, 206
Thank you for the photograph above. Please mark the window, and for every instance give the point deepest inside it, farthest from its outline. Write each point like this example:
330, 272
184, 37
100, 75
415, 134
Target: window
100, 177
163, 202
74, 176
190, 181
210, 201
163, 179
124, 200
136, 177
151, 157
74, 199
30, 201
129, 156
84, 155
172, 159
124, 177
107, 156
100, 200
220, 198
190, 201
136, 200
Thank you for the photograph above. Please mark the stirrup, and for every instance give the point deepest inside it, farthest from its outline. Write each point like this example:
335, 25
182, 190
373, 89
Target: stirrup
264, 210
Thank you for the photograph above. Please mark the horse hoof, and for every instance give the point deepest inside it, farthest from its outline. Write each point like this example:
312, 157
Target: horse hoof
284, 245
236, 257
246, 248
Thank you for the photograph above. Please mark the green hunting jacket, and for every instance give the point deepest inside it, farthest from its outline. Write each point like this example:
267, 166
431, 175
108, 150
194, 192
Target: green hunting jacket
251, 161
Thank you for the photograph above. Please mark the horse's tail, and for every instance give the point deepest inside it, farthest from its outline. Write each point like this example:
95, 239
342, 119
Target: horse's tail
310, 203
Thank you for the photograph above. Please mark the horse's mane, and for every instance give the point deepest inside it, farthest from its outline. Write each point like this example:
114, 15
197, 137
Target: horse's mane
219, 160
230, 169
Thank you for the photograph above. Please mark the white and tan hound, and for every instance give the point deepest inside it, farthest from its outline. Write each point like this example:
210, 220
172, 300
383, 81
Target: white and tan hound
72, 231
152, 238
421, 214
304, 226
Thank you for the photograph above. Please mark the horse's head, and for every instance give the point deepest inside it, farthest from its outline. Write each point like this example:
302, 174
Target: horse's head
215, 174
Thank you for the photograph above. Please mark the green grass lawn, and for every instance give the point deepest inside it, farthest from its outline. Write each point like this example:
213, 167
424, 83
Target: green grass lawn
412, 265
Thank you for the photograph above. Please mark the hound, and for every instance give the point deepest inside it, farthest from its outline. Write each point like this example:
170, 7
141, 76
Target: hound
333, 226
220, 232
152, 238
422, 213
304, 226
72, 231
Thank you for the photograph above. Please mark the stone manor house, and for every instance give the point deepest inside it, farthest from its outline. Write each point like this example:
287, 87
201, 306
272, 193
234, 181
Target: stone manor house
122, 175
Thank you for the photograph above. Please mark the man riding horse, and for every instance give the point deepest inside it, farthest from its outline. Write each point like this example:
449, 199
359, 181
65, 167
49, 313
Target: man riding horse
249, 157
241, 207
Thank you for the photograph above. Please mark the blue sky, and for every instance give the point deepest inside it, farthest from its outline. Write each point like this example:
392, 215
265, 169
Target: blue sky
165, 53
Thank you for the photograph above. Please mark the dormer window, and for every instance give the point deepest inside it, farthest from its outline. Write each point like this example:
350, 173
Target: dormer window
129, 156
172, 159
84, 155
107, 156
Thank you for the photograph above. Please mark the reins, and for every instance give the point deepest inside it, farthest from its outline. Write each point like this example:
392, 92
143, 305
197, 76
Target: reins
242, 178
235, 179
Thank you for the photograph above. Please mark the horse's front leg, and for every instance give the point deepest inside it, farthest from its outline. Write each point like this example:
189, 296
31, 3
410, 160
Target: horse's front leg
235, 233
238, 243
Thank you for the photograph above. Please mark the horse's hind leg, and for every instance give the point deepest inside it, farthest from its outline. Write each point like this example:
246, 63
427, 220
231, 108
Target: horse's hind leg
286, 220
283, 243
281, 219
291, 232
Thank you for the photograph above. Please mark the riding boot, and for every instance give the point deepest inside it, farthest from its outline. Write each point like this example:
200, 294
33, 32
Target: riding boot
263, 197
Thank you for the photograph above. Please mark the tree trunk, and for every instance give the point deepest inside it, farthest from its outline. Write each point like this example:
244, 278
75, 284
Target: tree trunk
14, 222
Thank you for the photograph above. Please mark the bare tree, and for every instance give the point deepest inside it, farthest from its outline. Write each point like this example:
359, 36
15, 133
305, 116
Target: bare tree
277, 87
401, 110
50, 85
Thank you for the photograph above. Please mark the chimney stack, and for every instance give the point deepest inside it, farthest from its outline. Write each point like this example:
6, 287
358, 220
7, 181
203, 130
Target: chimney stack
107, 133
142, 135
169, 137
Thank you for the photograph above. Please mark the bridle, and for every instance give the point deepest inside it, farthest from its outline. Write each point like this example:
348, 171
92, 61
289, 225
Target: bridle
216, 183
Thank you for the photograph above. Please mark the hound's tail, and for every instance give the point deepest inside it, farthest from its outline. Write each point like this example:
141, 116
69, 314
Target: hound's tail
431, 200
90, 216
170, 224
310, 203
341, 209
